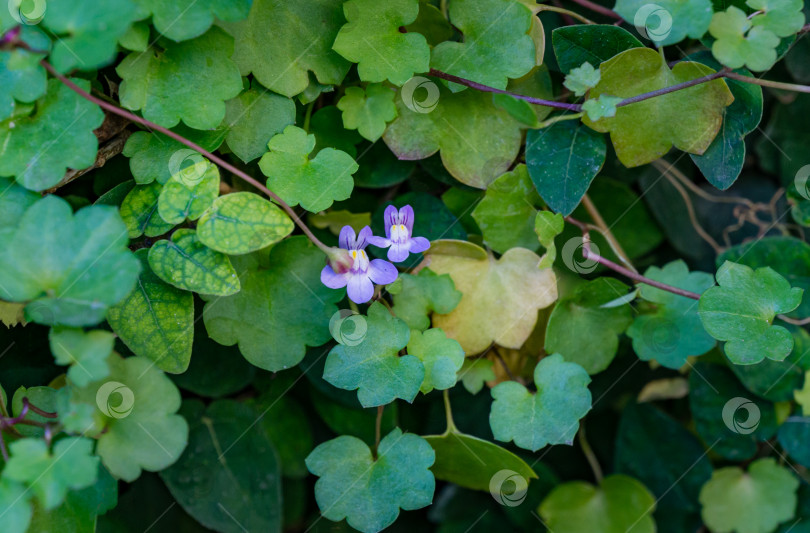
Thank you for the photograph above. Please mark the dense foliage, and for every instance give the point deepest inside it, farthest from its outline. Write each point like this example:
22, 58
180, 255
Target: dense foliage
278, 265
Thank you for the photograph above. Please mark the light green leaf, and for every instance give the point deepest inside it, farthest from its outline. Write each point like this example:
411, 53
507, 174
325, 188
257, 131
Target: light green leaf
189, 265
416, 296
335, 220
582, 78
189, 192
583, 329
156, 321
241, 223
368, 111
185, 19
398, 478
189, 81
673, 331
281, 309
373, 366
741, 310
14, 201
16, 508
282, 42
441, 357
313, 183
644, 131
475, 372
501, 297
734, 48
783, 18
602, 107
69, 267
65, 121
667, 21
22, 79
86, 352
372, 39
619, 505
749, 502
139, 210
549, 416
547, 226
253, 118
136, 38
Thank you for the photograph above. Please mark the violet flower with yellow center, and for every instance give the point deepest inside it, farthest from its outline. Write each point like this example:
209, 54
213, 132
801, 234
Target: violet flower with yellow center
399, 237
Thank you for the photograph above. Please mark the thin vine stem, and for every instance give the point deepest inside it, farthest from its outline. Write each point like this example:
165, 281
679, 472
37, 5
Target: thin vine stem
378, 429
603, 228
768, 83
589, 455
563, 11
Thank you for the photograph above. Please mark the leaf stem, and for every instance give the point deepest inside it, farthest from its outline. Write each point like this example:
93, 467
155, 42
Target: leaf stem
596, 8
39, 411
672, 88
448, 413
572, 14
378, 429
589, 455
767, 83
603, 228
559, 118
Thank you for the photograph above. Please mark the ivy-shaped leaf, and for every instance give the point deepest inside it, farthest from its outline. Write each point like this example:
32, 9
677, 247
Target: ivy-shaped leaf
188, 81
69, 267
735, 48
17, 510
441, 357
497, 44
241, 223
373, 366
783, 18
189, 193
475, 372
14, 201
549, 416
22, 79
673, 331
282, 42
500, 299
667, 22
23, 138
313, 183
605, 106
180, 20
253, 118
85, 352
416, 296
281, 309
741, 309
399, 477
642, 132
547, 226
372, 39
139, 211
156, 321
186, 263
368, 111
582, 78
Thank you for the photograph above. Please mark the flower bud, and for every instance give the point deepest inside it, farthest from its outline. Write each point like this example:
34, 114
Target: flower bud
339, 259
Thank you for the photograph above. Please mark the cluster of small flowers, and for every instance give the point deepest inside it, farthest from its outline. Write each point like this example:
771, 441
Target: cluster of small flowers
359, 280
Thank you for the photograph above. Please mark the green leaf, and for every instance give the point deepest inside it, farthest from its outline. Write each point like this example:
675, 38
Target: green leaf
673, 331
781, 17
50, 475
156, 321
373, 366
356, 422
189, 193
506, 213
667, 21
372, 39
398, 478
475, 372
594, 43
282, 42
136, 38
229, 478
43, 397
368, 111
189, 265
87, 32
253, 118
14, 201
86, 352
497, 43
139, 210
15, 505
751, 502
69, 267
186, 19
65, 121
734, 48
741, 309
562, 161
335, 220
603, 107
501, 297
597, 326
478, 141
549, 416
327, 127
135, 424
619, 504
582, 78
644, 131
547, 226
188, 81
441, 357
793, 437
471, 462
241, 223
281, 309
416, 296
22, 79
313, 183
286, 424
537, 83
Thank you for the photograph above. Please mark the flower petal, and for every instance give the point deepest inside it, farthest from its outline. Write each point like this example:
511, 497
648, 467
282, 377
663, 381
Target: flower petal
382, 272
332, 279
390, 217
379, 242
398, 252
346, 238
419, 244
362, 238
406, 217
360, 288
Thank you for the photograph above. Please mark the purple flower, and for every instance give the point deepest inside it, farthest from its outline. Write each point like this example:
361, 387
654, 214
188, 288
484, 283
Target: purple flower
363, 274
398, 230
